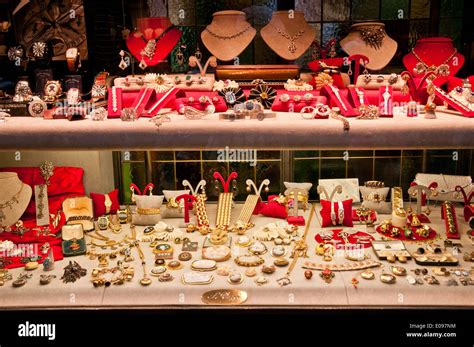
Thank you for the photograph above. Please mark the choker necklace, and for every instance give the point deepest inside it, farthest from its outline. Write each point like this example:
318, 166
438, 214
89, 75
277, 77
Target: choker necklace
422, 67
227, 37
10, 203
291, 46
372, 35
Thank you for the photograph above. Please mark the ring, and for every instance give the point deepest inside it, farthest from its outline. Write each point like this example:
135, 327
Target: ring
380, 78
284, 97
307, 115
322, 111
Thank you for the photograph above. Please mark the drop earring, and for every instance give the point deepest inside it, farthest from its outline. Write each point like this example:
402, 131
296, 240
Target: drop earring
123, 64
180, 56
428, 209
409, 209
198, 53
349, 71
367, 76
143, 64
234, 187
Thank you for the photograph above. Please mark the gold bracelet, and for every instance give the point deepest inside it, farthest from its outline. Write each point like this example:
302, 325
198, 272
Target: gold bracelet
345, 122
148, 211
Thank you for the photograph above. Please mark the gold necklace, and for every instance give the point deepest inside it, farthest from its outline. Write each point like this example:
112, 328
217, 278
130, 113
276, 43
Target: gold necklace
227, 37
298, 251
292, 45
422, 67
10, 203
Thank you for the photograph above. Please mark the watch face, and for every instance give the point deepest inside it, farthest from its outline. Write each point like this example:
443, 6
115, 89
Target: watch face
39, 49
52, 88
15, 53
71, 53
98, 91
22, 88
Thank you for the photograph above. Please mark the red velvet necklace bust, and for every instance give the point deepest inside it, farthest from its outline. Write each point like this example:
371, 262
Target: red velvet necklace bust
431, 54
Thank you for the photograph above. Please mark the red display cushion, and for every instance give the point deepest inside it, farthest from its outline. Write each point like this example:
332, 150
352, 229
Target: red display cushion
334, 102
32, 237
455, 235
98, 201
422, 217
66, 182
355, 217
454, 82
274, 209
296, 220
372, 97
220, 104
128, 98
280, 106
402, 237
326, 213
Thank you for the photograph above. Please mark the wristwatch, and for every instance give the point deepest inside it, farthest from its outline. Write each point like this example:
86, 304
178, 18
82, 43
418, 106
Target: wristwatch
72, 96
52, 90
15, 53
37, 107
99, 88
73, 59
39, 50
22, 92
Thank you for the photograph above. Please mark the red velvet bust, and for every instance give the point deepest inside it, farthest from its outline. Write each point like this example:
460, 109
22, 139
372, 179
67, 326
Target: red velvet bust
434, 51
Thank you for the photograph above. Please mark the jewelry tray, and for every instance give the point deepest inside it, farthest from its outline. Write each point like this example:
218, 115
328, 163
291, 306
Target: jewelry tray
384, 248
451, 261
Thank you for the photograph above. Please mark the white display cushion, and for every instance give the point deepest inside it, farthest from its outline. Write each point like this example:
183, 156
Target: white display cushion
350, 188
446, 190
375, 199
170, 212
301, 185
147, 202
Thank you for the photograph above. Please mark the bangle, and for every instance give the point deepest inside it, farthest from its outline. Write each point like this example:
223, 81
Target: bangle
148, 211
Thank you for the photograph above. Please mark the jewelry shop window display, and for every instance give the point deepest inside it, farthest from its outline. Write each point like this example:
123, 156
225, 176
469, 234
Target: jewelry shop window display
355, 247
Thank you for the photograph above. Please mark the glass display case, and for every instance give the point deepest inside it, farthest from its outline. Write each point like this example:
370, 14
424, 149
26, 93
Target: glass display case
247, 154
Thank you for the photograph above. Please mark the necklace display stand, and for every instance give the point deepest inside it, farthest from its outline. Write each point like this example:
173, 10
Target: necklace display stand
228, 34
288, 36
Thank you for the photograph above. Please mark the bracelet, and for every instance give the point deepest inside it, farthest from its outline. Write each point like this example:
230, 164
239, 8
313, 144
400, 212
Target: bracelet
75, 218
345, 122
193, 113
148, 211
125, 274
